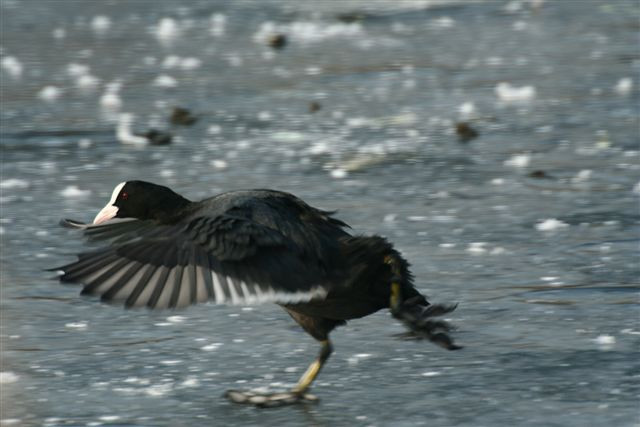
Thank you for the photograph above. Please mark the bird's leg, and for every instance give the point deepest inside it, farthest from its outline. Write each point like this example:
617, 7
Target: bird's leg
417, 314
312, 371
299, 392
396, 290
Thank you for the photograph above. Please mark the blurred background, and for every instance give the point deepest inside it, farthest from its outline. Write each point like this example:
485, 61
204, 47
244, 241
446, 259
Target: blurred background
496, 143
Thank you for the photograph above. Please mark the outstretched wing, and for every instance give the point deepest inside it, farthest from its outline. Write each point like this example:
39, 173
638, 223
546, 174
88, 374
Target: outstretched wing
225, 259
114, 231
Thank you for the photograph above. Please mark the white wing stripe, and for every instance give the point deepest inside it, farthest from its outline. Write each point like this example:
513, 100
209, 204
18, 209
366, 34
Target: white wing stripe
235, 299
248, 296
259, 296
184, 293
94, 275
165, 296
225, 288
220, 295
258, 293
146, 293
128, 288
201, 288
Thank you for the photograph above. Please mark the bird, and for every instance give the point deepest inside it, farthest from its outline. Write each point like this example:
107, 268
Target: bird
277, 41
161, 250
465, 132
182, 117
127, 137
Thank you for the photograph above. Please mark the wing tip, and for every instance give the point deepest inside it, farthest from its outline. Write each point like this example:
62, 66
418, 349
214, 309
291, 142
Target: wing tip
71, 223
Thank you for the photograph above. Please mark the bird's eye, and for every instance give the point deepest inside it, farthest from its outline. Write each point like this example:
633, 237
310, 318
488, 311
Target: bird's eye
124, 196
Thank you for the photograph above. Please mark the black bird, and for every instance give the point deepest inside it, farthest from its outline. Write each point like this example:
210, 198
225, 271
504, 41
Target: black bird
182, 117
248, 246
465, 132
277, 41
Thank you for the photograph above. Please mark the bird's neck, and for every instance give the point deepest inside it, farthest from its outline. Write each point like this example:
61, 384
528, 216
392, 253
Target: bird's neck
173, 210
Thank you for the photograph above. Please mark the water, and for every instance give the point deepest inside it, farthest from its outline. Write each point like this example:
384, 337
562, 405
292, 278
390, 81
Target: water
544, 267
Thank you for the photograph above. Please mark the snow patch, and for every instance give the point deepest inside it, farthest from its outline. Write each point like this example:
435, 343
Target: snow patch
76, 325
518, 161
338, 173
218, 24
512, 94
624, 86
167, 30
164, 80
12, 66
211, 347
100, 24
8, 377
49, 93
477, 247
605, 340
219, 164
582, 176
14, 183
550, 225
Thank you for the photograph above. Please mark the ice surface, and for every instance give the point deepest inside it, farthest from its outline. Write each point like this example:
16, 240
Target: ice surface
391, 79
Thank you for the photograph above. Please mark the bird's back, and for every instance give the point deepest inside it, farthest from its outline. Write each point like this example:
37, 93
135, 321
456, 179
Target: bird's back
314, 231
354, 264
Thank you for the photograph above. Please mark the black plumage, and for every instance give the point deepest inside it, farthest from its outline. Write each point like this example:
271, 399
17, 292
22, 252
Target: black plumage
164, 251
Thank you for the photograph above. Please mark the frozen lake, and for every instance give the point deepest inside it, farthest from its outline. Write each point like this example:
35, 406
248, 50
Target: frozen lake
533, 226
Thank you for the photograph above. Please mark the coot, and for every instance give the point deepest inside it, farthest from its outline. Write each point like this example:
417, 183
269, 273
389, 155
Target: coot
164, 251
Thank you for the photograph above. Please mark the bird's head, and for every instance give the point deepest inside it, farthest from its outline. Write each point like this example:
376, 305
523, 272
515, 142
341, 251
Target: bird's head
141, 200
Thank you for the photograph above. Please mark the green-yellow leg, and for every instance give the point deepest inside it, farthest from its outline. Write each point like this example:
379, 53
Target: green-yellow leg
314, 369
299, 392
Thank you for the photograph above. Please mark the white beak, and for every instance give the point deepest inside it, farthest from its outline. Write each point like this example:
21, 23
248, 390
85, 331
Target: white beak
105, 214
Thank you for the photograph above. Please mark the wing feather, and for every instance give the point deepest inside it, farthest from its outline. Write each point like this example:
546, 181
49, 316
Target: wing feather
105, 277
158, 286
220, 296
166, 292
86, 266
137, 292
205, 270
125, 278
193, 279
225, 259
177, 284
146, 289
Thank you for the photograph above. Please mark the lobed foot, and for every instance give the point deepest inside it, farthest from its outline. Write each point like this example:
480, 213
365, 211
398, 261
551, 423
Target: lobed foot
268, 400
420, 321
